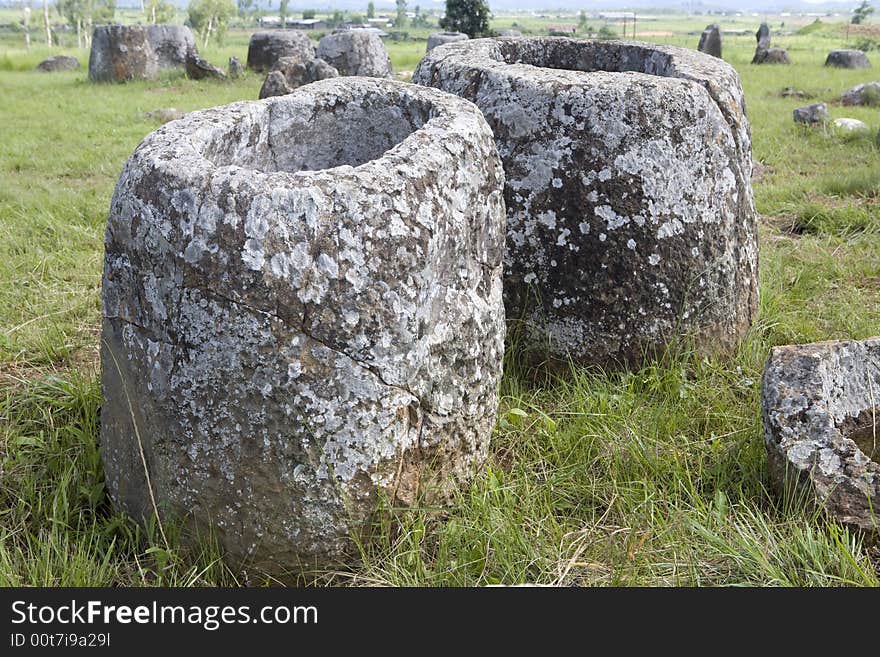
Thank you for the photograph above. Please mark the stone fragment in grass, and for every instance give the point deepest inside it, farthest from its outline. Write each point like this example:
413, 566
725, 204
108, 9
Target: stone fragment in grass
816, 114
235, 68
850, 125
165, 114
628, 188
867, 93
771, 56
199, 68
819, 406
302, 314
58, 63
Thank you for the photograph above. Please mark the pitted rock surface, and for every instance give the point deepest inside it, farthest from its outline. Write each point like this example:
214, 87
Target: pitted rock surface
848, 59
266, 48
356, 53
172, 44
290, 73
771, 56
820, 403
710, 41
628, 191
439, 38
121, 53
302, 310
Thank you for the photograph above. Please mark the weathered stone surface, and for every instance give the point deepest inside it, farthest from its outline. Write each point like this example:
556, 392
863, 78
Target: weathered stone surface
165, 114
301, 311
439, 38
356, 53
629, 199
295, 72
199, 68
819, 403
710, 41
862, 94
172, 44
121, 53
266, 48
236, 69
58, 63
850, 125
812, 114
763, 37
848, 59
771, 56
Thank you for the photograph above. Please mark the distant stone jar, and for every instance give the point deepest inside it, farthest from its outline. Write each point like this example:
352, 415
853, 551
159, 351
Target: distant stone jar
820, 406
266, 48
848, 59
302, 312
439, 38
121, 53
172, 43
355, 52
630, 217
710, 41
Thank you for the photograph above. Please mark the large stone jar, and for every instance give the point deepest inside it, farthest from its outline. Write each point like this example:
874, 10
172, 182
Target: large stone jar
630, 217
266, 48
121, 53
302, 312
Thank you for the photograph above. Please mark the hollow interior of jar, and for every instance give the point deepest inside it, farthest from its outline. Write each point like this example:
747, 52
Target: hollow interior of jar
864, 431
587, 56
312, 133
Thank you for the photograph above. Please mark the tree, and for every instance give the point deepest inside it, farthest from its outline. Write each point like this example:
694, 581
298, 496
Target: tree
245, 7
159, 11
282, 12
468, 16
400, 20
82, 14
308, 14
210, 17
861, 13
371, 10
337, 19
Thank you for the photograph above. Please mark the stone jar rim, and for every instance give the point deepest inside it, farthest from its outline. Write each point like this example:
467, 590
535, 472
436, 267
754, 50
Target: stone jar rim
183, 147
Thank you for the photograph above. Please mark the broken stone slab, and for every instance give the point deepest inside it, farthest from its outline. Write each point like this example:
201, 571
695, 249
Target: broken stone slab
812, 114
121, 53
848, 59
290, 73
172, 44
266, 48
302, 313
199, 68
58, 63
354, 52
509, 33
628, 190
439, 38
710, 41
862, 94
771, 56
819, 406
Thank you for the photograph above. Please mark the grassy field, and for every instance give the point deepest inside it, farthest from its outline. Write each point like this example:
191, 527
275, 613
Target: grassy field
653, 477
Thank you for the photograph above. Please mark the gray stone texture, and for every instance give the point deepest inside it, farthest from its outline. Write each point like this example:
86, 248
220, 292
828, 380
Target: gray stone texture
356, 53
862, 94
819, 403
439, 38
172, 44
710, 41
628, 191
199, 68
121, 53
848, 59
302, 311
266, 48
58, 63
812, 114
290, 73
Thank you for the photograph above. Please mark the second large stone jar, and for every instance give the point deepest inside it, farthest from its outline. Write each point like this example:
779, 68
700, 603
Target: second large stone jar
302, 312
630, 213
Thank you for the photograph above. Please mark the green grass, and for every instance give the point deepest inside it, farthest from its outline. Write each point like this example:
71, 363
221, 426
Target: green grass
653, 477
